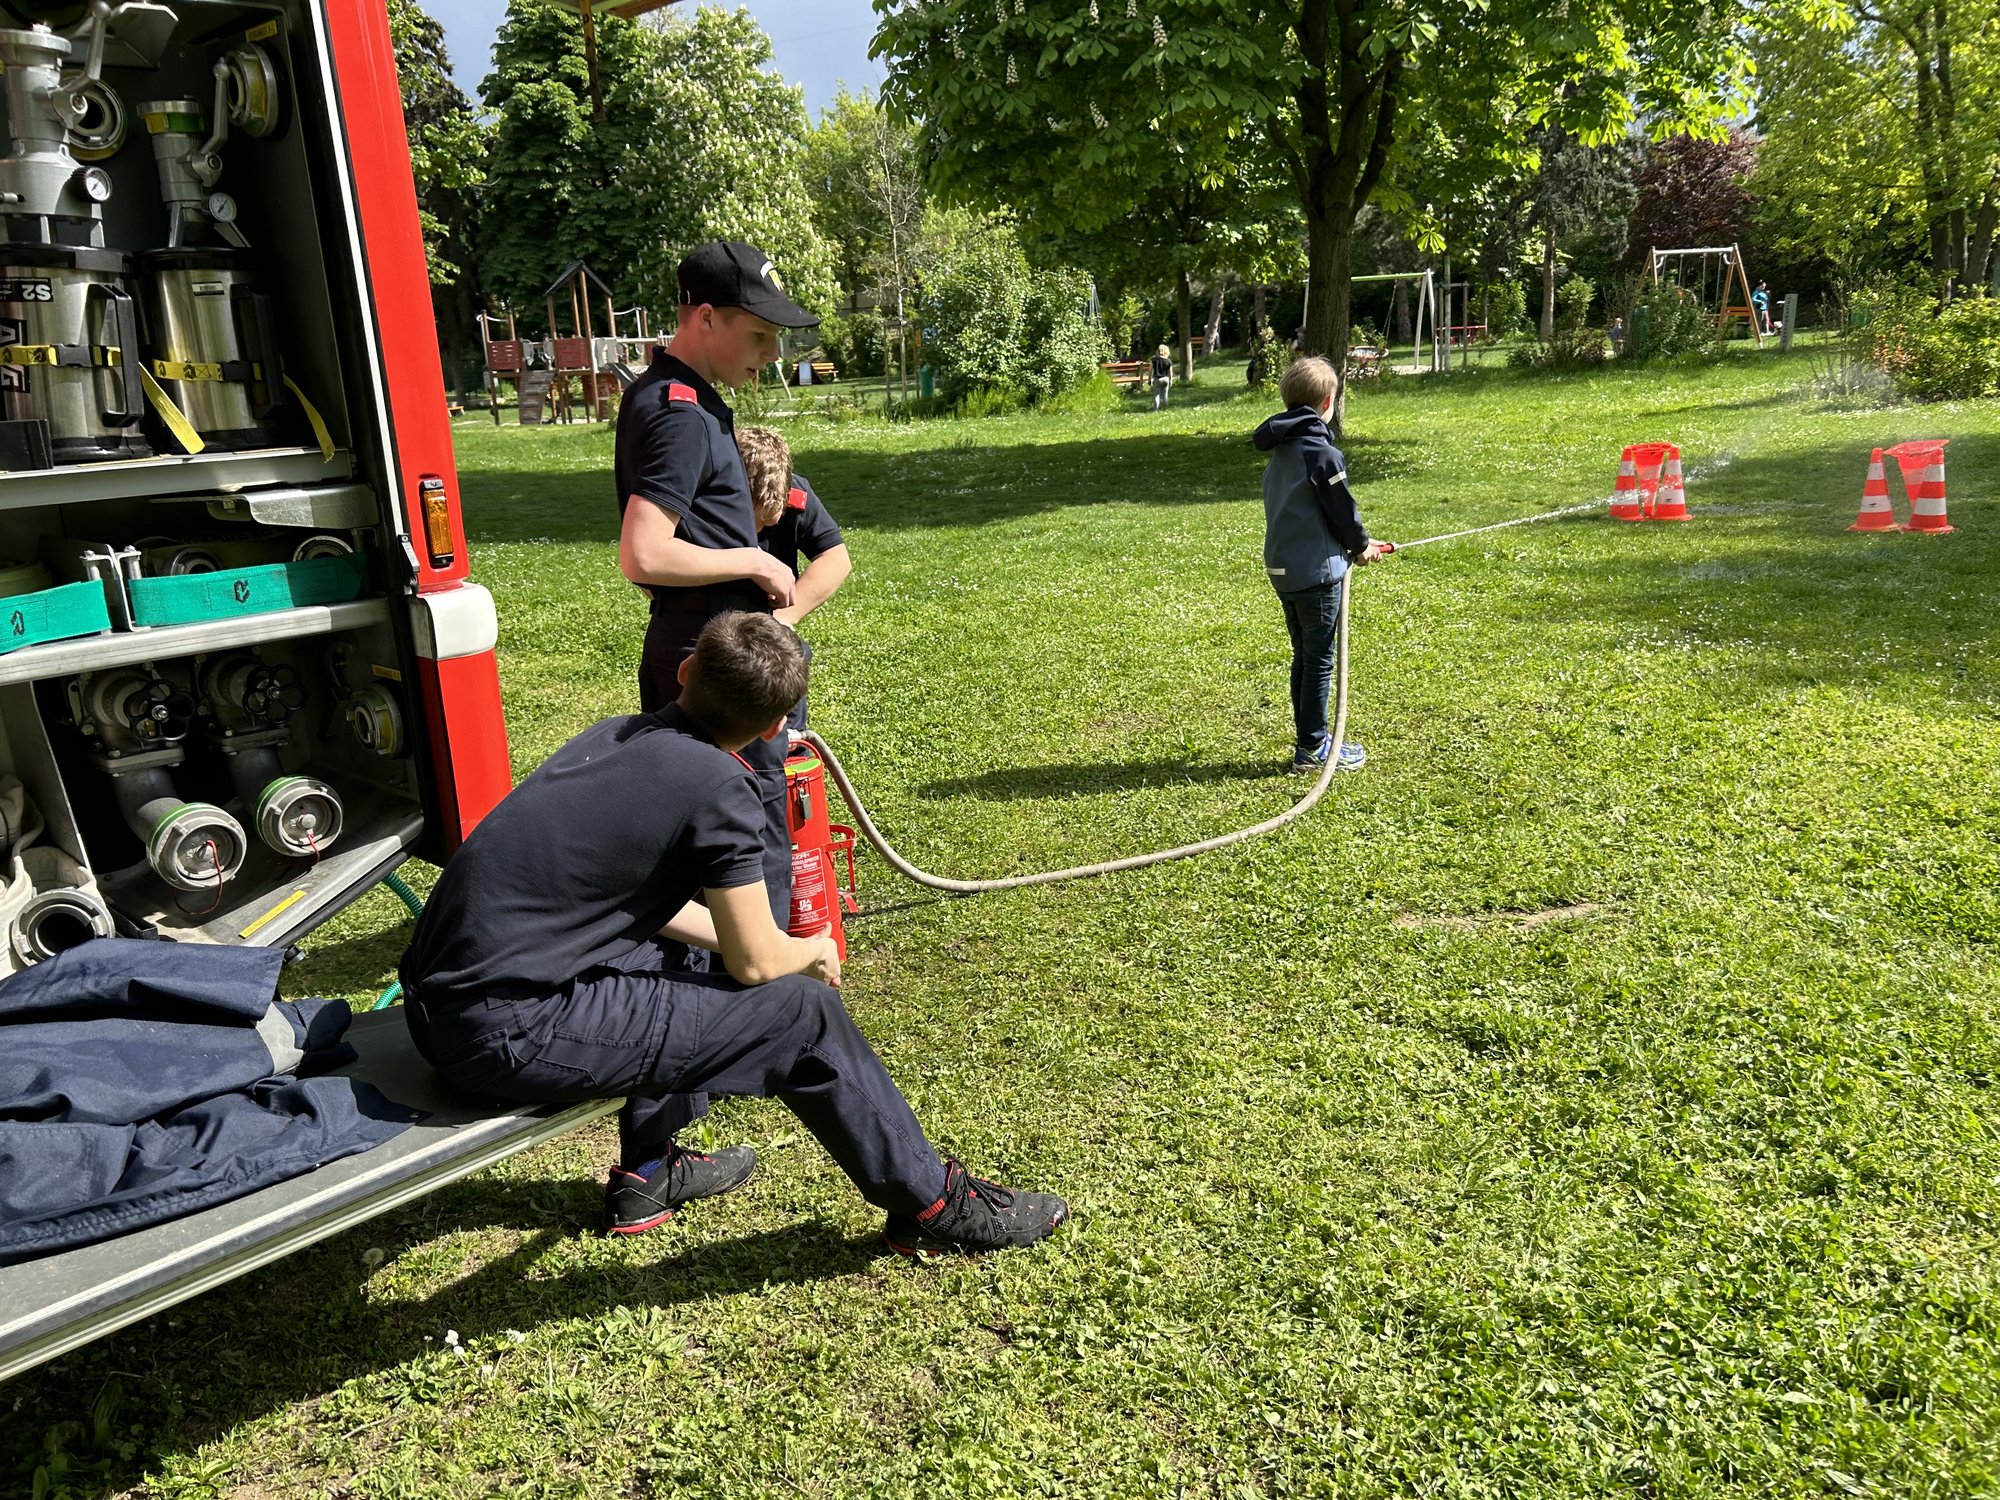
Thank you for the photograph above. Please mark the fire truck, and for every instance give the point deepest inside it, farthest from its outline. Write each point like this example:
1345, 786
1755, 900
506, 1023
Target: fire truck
244, 672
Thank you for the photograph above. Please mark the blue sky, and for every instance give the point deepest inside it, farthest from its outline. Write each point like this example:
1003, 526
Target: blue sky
819, 43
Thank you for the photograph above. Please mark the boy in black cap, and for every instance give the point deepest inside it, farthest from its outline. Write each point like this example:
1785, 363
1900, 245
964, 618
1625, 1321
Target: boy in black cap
536, 974
690, 540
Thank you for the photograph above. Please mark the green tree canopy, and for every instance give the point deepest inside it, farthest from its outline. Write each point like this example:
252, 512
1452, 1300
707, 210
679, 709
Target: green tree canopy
696, 142
1404, 99
447, 141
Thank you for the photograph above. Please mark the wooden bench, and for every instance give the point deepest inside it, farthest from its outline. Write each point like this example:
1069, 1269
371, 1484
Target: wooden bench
824, 370
1365, 363
1128, 372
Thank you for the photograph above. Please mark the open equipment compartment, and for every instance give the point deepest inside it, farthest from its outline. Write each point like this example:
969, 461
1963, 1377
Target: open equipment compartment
221, 408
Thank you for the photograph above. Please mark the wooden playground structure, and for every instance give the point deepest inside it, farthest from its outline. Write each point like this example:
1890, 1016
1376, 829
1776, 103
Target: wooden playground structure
582, 367
1718, 277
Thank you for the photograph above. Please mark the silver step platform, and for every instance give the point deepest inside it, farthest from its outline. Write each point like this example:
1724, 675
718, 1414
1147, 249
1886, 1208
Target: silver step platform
60, 1302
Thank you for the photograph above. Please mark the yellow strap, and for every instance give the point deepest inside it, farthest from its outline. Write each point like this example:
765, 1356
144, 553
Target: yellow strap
186, 369
318, 422
27, 354
178, 425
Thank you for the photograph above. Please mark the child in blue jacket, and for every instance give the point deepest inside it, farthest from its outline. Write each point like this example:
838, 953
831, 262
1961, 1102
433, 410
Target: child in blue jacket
1312, 532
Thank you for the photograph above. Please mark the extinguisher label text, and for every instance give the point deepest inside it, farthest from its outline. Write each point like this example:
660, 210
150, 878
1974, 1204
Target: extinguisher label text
12, 377
27, 289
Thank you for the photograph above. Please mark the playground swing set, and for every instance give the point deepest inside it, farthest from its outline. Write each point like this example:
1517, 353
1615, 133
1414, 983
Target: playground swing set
1715, 276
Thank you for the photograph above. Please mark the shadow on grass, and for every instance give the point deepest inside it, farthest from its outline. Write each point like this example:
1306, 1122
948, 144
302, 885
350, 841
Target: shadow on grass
1089, 779
242, 1354
968, 486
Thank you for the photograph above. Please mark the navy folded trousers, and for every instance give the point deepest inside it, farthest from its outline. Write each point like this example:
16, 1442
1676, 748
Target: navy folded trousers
650, 1032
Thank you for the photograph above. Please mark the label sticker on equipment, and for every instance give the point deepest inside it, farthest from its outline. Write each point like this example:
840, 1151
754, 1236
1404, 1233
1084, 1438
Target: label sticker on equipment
261, 33
12, 377
27, 289
210, 289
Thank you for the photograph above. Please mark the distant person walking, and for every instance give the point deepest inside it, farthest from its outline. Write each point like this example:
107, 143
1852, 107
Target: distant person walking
1163, 376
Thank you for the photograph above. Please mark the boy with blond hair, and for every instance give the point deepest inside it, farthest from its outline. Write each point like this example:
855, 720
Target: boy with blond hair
791, 524
1312, 533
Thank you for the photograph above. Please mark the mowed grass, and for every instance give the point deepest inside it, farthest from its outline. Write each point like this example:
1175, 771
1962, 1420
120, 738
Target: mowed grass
1593, 1097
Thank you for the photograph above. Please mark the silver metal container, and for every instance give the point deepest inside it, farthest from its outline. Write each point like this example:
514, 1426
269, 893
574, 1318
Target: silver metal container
73, 354
213, 344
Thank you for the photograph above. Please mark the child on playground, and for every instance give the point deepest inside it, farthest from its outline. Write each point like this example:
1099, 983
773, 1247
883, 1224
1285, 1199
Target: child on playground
1163, 376
792, 523
1312, 533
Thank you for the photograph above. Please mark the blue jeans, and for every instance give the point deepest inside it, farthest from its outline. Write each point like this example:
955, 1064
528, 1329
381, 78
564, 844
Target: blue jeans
1312, 620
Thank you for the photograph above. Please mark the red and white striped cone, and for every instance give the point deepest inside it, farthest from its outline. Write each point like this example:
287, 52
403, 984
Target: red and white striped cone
1877, 514
1923, 476
1673, 501
1625, 504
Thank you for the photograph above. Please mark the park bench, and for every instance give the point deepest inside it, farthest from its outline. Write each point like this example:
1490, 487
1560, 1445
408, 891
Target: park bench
1364, 363
1128, 372
824, 370
58, 1302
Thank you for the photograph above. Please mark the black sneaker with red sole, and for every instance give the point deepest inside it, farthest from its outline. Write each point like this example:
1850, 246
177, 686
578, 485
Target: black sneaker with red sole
975, 1217
634, 1203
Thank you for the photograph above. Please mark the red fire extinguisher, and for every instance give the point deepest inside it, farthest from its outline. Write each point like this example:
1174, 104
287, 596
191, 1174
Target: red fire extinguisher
817, 897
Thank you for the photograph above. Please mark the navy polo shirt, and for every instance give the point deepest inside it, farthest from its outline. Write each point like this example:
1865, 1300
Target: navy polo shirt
804, 527
677, 450
586, 859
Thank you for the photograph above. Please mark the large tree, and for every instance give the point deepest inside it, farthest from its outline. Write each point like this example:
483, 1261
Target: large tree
1347, 95
724, 157
1124, 141
1896, 127
448, 160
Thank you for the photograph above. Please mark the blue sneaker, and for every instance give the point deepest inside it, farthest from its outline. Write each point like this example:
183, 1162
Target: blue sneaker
1312, 760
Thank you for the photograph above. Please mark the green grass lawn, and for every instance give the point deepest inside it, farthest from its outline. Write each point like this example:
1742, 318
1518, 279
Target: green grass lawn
1596, 1096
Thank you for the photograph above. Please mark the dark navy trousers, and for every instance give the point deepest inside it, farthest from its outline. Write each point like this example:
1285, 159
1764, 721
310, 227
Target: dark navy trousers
1312, 620
651, 1033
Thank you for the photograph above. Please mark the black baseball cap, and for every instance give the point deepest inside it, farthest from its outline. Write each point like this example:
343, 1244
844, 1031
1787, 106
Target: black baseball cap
729, 273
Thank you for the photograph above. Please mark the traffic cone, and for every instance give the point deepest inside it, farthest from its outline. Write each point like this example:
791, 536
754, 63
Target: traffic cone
1876, 512
1922, 464
1673, 502
1625, 504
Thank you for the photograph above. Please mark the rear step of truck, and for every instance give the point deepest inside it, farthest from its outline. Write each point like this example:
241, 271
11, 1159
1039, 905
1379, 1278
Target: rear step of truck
52, 1305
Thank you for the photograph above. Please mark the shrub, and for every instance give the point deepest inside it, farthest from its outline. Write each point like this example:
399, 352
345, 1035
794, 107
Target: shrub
856, 342
1506, 304
995, 324
1937, 354
1573, 299
1675, 323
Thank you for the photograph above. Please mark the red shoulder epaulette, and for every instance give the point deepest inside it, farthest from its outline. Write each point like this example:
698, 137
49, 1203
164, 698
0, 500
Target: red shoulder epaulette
796, 500
676, 391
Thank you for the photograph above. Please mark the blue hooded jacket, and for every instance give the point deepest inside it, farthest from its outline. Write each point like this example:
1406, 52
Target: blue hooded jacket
1311, 524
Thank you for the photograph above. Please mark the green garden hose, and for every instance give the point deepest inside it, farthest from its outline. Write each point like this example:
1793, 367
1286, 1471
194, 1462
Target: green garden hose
415, 903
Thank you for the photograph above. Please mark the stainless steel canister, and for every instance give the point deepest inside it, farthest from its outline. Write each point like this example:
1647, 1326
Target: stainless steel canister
73, 337
212, 343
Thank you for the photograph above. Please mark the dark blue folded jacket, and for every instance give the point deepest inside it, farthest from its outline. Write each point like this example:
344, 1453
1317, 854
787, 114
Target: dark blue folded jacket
1311, 524
140, 1081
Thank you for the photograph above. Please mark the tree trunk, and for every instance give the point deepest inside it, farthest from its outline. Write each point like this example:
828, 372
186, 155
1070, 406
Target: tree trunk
1258, 317
1979, 249
1329, 272
1548, 284
1212, 334
1398, 330
1184, 311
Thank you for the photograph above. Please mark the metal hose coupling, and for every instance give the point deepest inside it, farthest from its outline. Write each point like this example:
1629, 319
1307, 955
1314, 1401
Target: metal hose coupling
63, 913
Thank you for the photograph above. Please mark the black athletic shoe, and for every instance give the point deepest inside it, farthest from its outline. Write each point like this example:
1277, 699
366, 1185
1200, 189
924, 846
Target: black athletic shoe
633, 1204
975, 1216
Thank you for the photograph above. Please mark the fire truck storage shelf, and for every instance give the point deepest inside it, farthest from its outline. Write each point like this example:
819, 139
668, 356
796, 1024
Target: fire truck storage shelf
127, 648
173, 476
